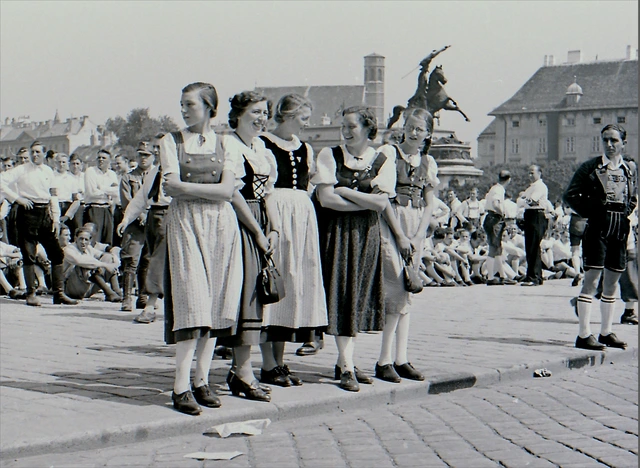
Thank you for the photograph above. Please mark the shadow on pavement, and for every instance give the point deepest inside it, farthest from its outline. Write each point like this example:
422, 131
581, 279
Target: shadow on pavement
545, 320
512, 341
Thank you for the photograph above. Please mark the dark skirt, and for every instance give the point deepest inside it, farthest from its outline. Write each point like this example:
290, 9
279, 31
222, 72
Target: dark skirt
352, 271
250, 318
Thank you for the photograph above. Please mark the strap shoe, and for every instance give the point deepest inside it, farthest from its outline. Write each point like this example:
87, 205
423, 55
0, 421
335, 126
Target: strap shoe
206, 397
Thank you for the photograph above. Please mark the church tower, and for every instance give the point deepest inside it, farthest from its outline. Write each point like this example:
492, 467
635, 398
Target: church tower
374, 85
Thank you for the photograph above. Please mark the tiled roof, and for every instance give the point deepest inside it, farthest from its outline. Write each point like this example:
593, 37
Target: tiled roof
330, 100
45, 130
610, 84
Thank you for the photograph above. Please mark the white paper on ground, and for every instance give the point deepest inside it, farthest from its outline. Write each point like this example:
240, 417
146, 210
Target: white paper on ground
251, 427
213, 455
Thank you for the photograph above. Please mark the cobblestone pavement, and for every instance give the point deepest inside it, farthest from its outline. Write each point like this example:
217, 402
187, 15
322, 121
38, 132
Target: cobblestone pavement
578, 419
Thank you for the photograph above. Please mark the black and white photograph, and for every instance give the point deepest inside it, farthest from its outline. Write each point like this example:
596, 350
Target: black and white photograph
318, 234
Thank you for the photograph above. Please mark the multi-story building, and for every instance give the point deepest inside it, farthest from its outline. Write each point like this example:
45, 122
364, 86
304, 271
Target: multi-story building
558, 113
61, 136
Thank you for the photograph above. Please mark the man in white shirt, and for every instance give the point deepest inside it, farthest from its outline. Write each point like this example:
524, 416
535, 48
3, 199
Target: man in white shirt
101, 186
83, 269
494, 224
534, 200
31, 187
68, 191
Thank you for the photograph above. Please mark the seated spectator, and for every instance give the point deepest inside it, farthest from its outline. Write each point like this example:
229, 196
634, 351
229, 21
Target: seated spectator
10, 268
85, 268
442, 258
478, 256
561, 249
514, 257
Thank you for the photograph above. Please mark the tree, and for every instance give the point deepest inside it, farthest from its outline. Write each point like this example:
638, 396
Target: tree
138, 126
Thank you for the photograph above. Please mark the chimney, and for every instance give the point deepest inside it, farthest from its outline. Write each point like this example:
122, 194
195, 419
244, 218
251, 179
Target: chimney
631, 53
574, 56
546, 61
552, 61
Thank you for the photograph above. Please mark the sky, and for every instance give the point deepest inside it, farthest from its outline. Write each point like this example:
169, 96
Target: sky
104, 58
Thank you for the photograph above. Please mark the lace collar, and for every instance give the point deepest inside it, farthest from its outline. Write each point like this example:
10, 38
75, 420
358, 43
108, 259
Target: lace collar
286, 145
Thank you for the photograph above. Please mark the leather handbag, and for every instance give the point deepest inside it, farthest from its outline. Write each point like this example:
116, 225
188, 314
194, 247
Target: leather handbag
412, 280
270, 284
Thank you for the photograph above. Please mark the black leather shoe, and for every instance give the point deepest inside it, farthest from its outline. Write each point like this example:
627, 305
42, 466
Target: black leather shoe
275, 376
387, 373
185, 403
407, 371
612, 341
295, 380
494, 282
361, 377
310, 348
252, 391
206, 397
589, 342
18, 294
629, 318
508, 282
348, 382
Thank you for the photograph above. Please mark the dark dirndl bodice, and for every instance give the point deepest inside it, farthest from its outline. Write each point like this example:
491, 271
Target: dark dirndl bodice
293, 166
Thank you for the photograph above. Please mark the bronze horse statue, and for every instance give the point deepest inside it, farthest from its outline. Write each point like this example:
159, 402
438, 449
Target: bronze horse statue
423, 95
437, 98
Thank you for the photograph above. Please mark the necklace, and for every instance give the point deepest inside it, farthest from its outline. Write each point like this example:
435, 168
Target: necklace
244, 142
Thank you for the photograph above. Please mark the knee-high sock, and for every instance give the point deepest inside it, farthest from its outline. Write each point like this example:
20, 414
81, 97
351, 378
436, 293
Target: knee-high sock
607, 304
184, 356
402, 339
388, 333
204, 356
584, 315
346, 346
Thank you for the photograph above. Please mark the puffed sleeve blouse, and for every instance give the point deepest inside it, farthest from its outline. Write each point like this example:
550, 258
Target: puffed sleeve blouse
193, 144
326, 168
414, 160
261, 159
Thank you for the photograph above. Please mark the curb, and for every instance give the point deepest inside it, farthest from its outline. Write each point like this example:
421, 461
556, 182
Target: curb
369, 397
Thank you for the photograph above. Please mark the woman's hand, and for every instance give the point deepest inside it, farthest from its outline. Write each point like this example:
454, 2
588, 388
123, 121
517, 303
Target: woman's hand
404, 246
172, 185
25, 202
272, 239
263, 242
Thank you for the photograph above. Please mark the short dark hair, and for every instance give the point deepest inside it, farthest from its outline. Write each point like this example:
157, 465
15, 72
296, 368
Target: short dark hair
74, 156
242, 101
107, 152
37, 143
207, 93
367, 117
504, 175
618, 128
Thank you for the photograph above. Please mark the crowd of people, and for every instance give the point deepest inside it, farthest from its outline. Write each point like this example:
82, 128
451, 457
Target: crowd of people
197, 216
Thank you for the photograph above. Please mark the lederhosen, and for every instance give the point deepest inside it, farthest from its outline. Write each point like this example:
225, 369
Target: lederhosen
155, 232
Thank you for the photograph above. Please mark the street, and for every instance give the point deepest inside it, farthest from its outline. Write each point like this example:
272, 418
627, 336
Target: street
581, 418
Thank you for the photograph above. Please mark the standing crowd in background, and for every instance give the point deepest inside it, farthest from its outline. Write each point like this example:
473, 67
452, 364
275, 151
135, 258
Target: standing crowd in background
197, 216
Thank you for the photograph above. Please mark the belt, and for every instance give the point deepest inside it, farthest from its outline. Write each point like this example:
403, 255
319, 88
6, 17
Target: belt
617, 207
534, 209
158, 207
40, 205
97, 205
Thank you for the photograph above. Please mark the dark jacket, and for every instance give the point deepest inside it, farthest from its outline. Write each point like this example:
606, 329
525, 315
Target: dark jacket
587, 191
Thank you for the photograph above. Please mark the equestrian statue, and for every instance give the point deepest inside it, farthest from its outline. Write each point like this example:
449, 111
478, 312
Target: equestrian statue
430, 94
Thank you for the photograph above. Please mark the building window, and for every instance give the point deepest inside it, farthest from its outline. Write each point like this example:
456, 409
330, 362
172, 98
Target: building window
492, 147
595, 144
622, 120
515, 146
569, 122
542, 145
515, 124
597, 120
542, 122
571, 142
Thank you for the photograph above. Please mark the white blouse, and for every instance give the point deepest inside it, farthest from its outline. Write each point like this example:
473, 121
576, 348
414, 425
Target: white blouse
414, 161
261, 159
212, 144
326, 169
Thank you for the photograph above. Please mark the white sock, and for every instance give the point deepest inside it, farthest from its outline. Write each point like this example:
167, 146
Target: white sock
388, 334
584, 315
607, 305
402, 339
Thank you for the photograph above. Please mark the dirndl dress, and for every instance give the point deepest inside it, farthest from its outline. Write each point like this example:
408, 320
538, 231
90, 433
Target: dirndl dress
351, 257
203, 271
303, 311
